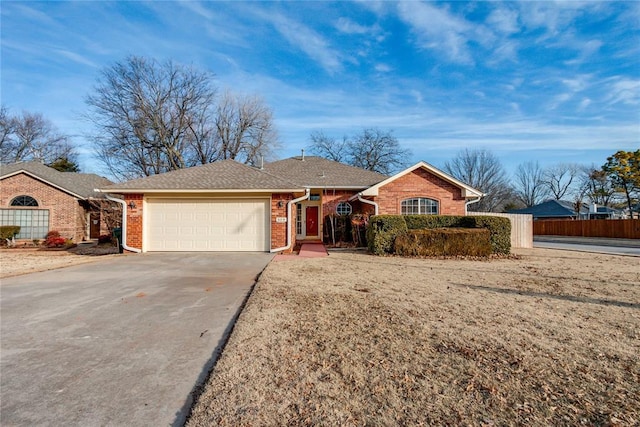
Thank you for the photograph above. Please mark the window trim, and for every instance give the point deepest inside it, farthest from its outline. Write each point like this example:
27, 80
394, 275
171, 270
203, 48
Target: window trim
344, 204
419, 206
19, 201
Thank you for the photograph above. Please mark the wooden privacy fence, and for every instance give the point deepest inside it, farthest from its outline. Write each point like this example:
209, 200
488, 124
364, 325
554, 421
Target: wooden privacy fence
521, 228
614, 228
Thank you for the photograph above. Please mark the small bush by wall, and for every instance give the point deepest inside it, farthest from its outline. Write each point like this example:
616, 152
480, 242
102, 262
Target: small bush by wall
382, 231
444, 242
8, 231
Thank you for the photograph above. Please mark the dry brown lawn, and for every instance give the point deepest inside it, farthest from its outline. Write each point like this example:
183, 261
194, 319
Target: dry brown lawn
551, 338
14, 262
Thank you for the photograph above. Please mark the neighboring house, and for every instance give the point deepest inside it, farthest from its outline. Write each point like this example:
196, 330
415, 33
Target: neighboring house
40, 199
228, 206
562, 209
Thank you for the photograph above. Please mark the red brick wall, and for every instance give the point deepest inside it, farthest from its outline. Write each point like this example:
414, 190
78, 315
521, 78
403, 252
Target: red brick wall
134, 220
65, 213
279, 229
420, 183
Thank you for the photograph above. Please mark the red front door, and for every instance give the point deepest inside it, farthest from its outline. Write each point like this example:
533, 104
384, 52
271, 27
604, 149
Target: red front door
312, 221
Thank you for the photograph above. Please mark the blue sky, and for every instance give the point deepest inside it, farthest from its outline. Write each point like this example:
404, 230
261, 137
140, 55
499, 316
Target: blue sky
546, 81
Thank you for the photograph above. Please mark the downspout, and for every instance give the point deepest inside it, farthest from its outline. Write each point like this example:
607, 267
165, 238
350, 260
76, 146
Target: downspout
470, 202
369, 202
124, 223
289, 204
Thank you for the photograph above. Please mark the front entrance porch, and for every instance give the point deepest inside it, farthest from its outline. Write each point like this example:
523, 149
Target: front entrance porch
308, 221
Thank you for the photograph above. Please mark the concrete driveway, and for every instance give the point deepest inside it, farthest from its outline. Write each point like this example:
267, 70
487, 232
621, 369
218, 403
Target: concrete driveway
117, 342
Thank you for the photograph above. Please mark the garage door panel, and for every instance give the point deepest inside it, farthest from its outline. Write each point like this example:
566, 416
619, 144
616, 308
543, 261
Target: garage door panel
208, 225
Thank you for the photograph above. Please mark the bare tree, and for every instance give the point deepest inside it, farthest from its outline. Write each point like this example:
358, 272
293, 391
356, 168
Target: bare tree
153, 117
529, 183
597, 186
560, 179
482, 170
378, 151
244, 129
330, 148
373, 150
30, 136
6, 129
144, 113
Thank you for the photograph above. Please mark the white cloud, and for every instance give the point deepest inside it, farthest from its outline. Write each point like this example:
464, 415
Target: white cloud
309, 42
80, 59
437, 29
584, 104
347, 26
504, 20
623, 90
382, 68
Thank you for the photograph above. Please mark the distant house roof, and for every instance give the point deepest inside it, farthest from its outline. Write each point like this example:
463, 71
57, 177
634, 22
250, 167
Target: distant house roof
552, 209
80, 185
224, 175
467, 191
319, 172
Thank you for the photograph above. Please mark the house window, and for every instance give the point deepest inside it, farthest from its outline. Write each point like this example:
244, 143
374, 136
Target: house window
343, 208
419, 206
24, 201
298, 219
314, 197
33, 223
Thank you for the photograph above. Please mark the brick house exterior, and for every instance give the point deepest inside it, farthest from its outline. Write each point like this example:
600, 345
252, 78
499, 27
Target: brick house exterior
62, 201
195, 208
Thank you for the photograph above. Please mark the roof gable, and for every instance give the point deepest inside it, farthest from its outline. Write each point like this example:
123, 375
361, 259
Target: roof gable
80, 185
467, 191
318, 172
217, 176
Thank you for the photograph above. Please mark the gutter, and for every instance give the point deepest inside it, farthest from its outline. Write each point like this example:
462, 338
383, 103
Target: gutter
124, 222
289, 204
470, 202
369, 202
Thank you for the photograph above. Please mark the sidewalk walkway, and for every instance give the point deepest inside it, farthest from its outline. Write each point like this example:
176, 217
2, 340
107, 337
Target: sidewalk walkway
598, 241
307, 250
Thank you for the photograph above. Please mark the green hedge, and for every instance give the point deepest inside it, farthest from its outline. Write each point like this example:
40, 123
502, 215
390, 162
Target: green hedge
383, 229
444, 242
8, 231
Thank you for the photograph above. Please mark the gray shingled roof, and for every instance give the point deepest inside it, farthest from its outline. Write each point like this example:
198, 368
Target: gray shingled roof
320, 172
221, 175
80, 184
552, 209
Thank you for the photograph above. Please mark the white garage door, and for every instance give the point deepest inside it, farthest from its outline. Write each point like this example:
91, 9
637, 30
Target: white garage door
208, 225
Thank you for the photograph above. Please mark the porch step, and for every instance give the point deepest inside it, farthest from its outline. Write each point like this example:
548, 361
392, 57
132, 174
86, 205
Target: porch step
312, 250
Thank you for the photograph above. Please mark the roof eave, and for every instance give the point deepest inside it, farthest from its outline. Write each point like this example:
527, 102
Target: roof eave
199, 190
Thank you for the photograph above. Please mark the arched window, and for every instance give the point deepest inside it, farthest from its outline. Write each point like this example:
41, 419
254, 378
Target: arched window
343, 208
24, 201
419, 206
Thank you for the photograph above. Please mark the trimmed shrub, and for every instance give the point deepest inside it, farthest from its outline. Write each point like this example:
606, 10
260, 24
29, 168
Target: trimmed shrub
381, 237
382, 231
444, 242
8, 231
500, 229
417, 222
